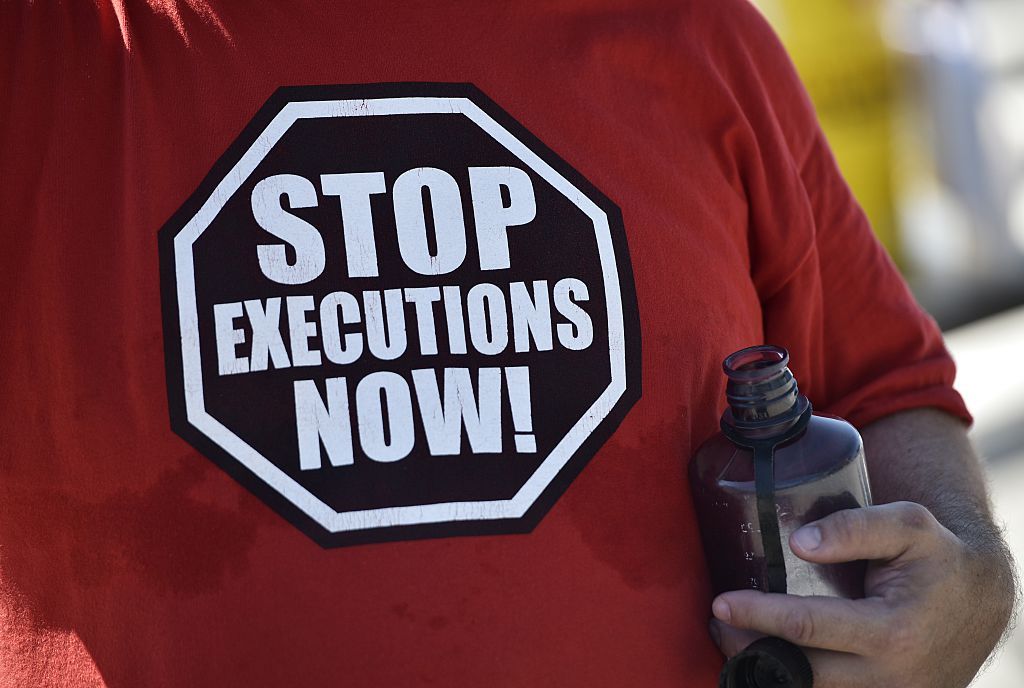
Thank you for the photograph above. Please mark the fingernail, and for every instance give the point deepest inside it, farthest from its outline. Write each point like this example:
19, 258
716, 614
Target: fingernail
720, 608
808, 537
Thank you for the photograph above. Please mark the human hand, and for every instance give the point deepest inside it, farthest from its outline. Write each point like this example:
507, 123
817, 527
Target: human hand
932, 612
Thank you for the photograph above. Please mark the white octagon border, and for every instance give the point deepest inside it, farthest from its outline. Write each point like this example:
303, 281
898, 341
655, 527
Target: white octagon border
347, 521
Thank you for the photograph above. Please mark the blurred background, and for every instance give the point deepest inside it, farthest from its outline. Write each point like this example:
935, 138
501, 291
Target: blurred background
923, 103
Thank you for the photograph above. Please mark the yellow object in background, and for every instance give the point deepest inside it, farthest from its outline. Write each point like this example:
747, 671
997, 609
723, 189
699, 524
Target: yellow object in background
838, 50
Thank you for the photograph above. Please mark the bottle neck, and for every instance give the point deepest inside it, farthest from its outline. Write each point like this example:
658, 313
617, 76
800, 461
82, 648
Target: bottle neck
762, 393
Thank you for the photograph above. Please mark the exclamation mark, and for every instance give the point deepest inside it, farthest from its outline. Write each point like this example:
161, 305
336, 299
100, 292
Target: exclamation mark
518, 378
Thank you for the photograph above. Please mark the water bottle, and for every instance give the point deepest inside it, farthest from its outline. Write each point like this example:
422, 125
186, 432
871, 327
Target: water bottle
774, 467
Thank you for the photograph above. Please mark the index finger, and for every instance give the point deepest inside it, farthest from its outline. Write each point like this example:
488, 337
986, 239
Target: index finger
829, 623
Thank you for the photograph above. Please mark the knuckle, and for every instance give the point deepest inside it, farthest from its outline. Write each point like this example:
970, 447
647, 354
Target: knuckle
877, 643
882, 632
900, 636
883, 640
877, 638
914, 516
798, 626
847, 525
904, 641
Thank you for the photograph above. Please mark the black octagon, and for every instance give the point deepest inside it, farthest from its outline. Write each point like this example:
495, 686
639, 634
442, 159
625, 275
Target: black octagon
259, 408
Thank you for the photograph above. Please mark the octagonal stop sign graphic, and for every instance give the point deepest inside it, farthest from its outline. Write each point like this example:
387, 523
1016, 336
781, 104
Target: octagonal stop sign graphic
392, 313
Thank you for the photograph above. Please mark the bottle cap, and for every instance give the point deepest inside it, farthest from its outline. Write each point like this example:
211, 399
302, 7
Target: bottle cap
762, 393
768, 663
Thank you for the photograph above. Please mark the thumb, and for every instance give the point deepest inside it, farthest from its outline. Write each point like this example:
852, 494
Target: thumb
887, 532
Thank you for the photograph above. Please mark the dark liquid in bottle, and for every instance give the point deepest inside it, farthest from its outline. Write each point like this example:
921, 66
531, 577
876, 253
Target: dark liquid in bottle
819, 472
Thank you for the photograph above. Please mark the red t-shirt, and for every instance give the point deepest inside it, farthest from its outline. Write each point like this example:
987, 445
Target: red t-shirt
210, 477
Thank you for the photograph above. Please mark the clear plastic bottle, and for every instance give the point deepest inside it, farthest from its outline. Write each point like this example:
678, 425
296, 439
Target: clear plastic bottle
818, 471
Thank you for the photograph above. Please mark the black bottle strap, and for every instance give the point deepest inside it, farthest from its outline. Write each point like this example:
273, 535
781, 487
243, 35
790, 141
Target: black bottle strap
764, 484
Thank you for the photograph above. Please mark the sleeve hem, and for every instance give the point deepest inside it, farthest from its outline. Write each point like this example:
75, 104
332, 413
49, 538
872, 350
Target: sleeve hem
940, 397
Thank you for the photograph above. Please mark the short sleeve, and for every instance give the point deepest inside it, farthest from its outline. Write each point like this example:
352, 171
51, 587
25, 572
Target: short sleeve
883, 352
861, 345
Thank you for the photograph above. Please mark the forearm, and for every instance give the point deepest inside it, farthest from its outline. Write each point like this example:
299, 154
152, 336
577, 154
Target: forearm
924, 456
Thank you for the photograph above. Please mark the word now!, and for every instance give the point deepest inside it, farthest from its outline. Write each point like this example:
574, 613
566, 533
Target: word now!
492, 218
444, 409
